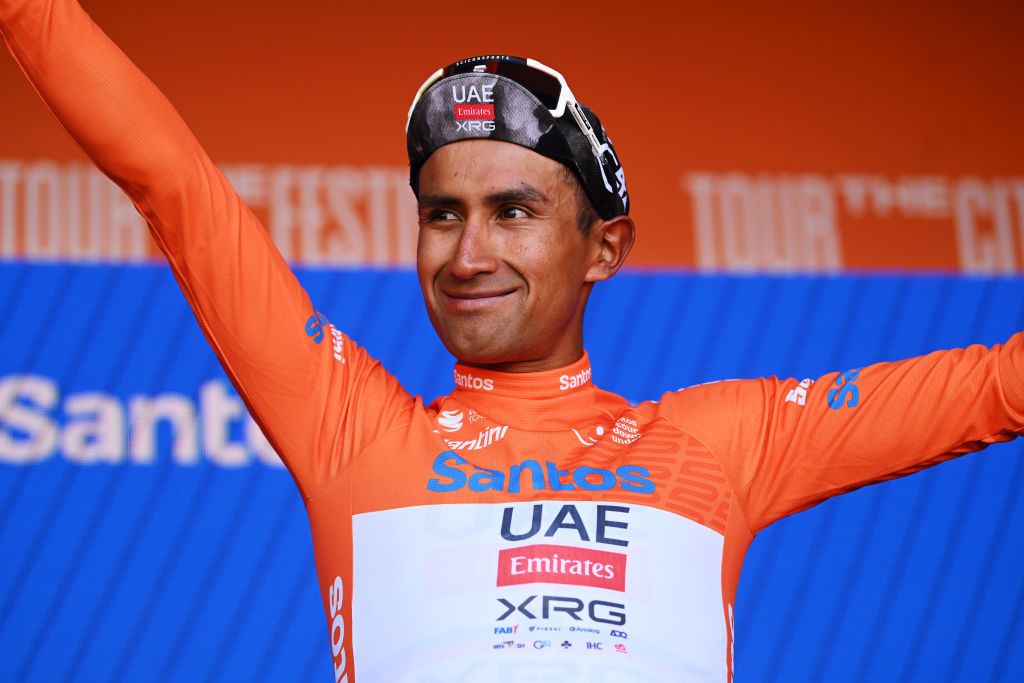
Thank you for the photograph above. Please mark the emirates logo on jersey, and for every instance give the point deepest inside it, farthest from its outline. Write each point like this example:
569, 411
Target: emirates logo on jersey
545, 563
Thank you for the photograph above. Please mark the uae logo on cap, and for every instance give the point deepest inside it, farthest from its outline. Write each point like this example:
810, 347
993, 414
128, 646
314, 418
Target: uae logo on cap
474, 112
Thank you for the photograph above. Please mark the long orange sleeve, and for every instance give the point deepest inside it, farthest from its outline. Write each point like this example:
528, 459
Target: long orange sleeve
788, 445
298, 376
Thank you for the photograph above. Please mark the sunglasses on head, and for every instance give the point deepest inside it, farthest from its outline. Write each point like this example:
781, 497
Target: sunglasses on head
544, 83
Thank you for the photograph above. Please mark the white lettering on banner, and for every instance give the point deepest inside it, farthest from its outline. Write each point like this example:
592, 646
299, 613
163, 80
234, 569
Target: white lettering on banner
331, 216
9, 174
774, 223
97, 427
318, 215
146, 414
910, 196
218, 409
990, 235
23, 398
97, 432
780, 222
42, 212
68, 212
988, 215
355, 216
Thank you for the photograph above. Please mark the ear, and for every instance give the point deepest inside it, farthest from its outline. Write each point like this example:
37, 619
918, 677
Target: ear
610, 242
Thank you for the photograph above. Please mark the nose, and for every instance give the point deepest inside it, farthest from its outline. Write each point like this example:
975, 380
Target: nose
474, 254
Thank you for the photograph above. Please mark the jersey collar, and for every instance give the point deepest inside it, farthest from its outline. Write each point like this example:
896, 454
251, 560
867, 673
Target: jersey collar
568, 380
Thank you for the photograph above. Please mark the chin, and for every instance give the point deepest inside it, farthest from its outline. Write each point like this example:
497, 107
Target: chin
483, 349
477, 355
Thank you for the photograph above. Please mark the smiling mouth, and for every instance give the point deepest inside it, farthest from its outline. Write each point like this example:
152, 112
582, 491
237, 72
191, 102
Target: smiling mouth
473, 301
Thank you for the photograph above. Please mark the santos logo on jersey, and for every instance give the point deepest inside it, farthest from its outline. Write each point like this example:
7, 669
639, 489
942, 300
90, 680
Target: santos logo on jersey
632, 478
469, 381
566, 382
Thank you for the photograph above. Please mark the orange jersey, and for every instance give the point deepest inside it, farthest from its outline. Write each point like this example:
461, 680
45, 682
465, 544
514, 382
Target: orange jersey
526, 526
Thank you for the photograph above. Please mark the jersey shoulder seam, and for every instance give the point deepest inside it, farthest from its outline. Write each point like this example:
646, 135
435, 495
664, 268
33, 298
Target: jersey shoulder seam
327, 484
732, 484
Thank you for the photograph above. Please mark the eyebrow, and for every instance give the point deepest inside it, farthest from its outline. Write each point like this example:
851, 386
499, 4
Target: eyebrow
523, 193
429, 201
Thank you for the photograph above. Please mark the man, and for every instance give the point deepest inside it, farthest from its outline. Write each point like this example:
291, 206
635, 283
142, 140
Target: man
528, 522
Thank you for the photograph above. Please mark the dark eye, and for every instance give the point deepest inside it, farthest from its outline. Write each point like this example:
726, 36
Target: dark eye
441, 215
513, 212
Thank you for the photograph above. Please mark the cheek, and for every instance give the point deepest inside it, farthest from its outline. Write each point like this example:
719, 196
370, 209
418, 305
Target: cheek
430, 256
545, 251
426, 273
555, 267
424, 247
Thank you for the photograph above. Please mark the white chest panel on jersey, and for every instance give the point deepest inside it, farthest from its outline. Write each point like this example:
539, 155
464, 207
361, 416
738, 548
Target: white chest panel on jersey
559, 591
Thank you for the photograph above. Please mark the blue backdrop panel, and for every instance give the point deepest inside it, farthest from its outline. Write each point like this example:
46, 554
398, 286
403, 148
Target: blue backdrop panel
176, 567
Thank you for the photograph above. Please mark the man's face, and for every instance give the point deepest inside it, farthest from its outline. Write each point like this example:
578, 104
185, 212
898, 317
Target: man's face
501, 261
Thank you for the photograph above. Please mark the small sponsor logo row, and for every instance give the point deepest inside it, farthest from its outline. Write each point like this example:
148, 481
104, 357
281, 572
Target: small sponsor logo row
591, 645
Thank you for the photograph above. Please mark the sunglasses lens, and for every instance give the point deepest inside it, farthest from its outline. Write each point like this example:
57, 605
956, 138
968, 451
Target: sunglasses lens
545, 87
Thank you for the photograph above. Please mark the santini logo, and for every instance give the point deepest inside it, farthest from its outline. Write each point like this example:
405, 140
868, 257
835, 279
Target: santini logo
484, 439
468, 381
452, 477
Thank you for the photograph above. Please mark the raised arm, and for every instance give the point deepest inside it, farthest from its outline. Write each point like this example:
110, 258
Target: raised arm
788, 445
297, 376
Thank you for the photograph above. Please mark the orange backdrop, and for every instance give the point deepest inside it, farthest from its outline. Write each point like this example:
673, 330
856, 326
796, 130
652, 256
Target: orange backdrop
754, 136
